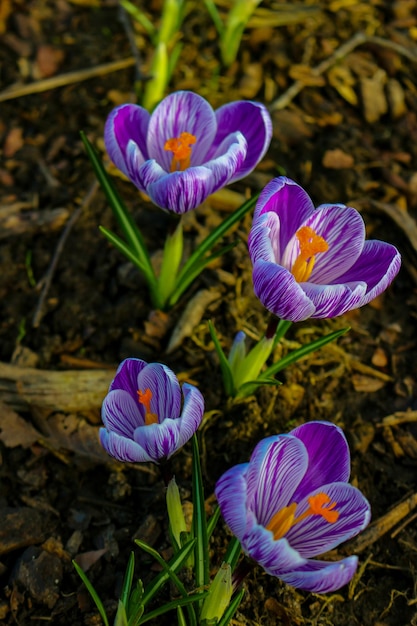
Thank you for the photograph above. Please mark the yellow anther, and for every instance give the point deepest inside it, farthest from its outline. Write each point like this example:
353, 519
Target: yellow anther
145, 398
310, 245
181, 150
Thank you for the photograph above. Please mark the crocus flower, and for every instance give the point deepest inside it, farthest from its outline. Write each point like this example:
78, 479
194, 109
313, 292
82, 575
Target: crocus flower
311, 262
142, 415
292, 502
184, 151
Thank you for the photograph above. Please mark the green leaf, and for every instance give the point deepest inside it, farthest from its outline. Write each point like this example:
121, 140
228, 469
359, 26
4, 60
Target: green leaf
296, 355
140, 17
231, 609
251, 386
127, 582
209, 242
233, 552
169, 569
184, 280
123, 248
224, 362
201, 554
93, 593
211, 524
215, 16
169, 606
125, 220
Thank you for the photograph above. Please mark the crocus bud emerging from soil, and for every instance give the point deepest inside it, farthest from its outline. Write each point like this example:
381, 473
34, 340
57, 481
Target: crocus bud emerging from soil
292, 502
311, 262
142, 415
184, 151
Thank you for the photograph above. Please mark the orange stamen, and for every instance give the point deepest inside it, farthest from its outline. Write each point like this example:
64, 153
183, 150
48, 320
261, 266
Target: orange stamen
145, 398
284, 519
310, 245
181, 150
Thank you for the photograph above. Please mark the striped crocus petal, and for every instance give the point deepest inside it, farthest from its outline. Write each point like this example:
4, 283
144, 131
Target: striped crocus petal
253, 121
321, 576
184, 151
183, 191
328, 456
284, 511
123, 449
314, 262
142, 415
126, 124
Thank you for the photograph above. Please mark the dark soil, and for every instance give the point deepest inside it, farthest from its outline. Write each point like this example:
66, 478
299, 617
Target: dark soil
349, 135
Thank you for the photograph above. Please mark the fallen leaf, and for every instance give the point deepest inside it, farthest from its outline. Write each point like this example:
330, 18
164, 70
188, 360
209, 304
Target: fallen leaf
337, 159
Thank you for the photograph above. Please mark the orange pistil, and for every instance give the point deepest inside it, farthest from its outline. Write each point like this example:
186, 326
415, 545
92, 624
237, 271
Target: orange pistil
310, 245
145, 398
284, 519
181, 149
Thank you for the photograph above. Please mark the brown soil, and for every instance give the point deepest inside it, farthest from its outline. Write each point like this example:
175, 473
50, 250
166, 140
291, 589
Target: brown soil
348, 135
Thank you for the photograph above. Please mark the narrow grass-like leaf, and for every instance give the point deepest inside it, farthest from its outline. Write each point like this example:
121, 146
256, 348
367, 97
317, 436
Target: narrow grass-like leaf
169, 606
123, 248
184, 280
136, 608
208, 243
231, 609
140, 17
168, 573
224, 362
125, 220
211, 524
180, 617
93, 593
127, 582
215, 16
251, 386
281, 331
233, 552
295, 355
201, 553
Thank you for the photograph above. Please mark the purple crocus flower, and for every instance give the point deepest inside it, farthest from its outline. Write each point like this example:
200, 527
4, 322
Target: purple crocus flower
142, 415
311, 262
292, 502
184, 151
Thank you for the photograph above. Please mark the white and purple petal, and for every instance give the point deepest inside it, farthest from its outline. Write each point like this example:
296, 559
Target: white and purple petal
121, 413
291, 204
344, 231
328, 456
276, 468
182, 111
159, 440
122, 448
165, 388
270, 554
127, 376
230, 491
126, 123
314, 535
191, 414
378, 265
254, 122
332, 300
280, 293
321, 576
183, 191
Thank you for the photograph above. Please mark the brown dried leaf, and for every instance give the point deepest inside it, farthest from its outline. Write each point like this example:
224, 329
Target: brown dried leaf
373, 96
47, 62
366, 384
337, 159
341, 78
13, 142
14, 430
192, 315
